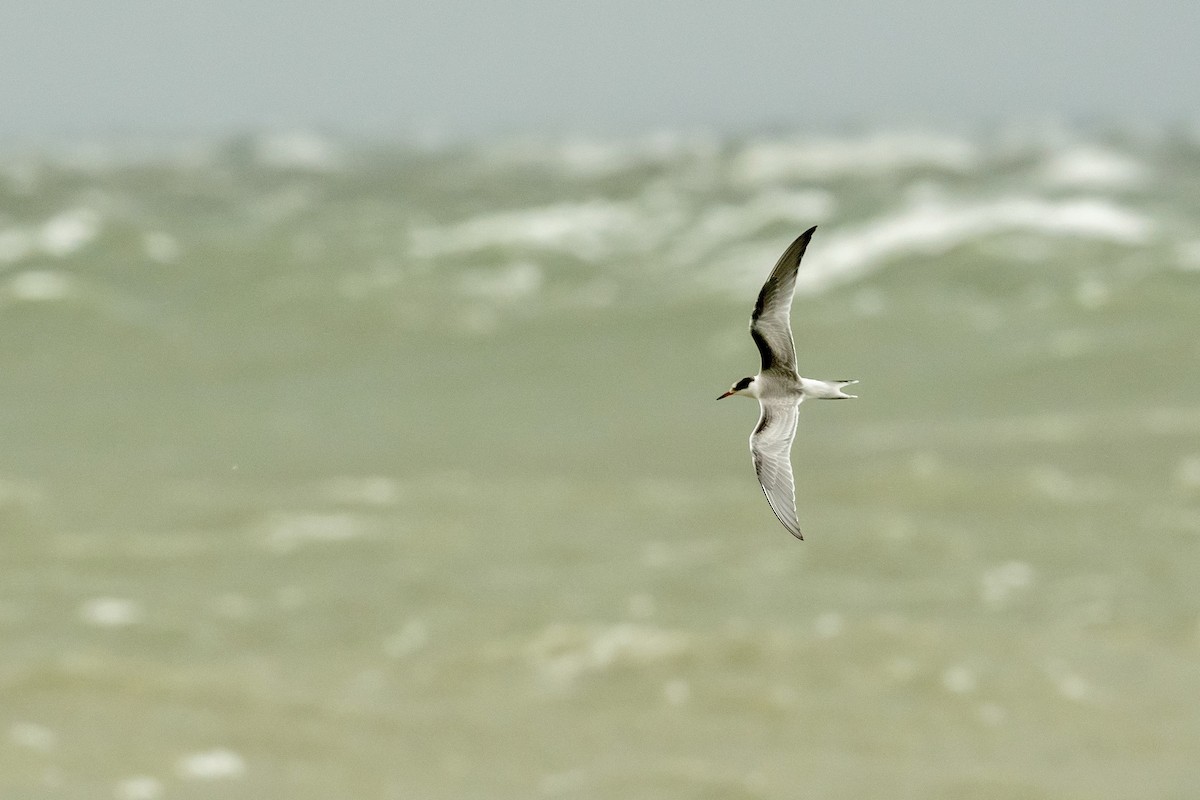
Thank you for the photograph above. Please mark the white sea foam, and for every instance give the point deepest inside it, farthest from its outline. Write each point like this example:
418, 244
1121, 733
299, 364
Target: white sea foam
999, 585
111, 612
588, 230
208, 765
138, 787
302, 150
590, 157
561, 654
721, 224
931, 227
959, 679
32, 736
822, 158
1070, 683
594, 157
285, 532
1089, 166
41, 285
68, 232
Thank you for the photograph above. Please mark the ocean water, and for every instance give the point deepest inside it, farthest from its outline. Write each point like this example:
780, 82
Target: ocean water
334, 469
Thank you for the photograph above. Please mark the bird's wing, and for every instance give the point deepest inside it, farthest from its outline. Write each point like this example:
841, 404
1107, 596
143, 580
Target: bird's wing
771, 447
770, 324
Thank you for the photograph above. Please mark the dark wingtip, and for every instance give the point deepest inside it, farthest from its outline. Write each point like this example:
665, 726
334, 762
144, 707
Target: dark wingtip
803, 240
806, 236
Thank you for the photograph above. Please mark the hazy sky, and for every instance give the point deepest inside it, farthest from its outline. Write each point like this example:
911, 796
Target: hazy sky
477, 68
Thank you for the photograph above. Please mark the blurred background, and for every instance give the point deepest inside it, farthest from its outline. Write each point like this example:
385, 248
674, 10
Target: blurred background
357, 432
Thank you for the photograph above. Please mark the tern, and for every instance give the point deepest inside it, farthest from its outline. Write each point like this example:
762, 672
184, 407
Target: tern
778, 387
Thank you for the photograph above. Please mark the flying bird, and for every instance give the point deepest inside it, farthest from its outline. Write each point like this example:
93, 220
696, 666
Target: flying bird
778, 387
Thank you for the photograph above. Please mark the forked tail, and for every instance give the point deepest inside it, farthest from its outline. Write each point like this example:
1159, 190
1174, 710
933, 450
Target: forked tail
840, 385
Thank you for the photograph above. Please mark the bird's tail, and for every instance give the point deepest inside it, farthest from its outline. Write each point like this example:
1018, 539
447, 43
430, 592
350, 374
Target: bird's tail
825, 390
840, 385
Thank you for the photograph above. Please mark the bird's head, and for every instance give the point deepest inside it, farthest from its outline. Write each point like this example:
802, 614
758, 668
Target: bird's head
746, 386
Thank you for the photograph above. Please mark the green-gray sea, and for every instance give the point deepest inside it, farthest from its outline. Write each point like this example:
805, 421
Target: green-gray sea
340, 469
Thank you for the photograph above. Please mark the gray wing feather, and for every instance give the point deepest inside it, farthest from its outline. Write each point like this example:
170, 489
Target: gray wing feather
771, 448
770, 324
